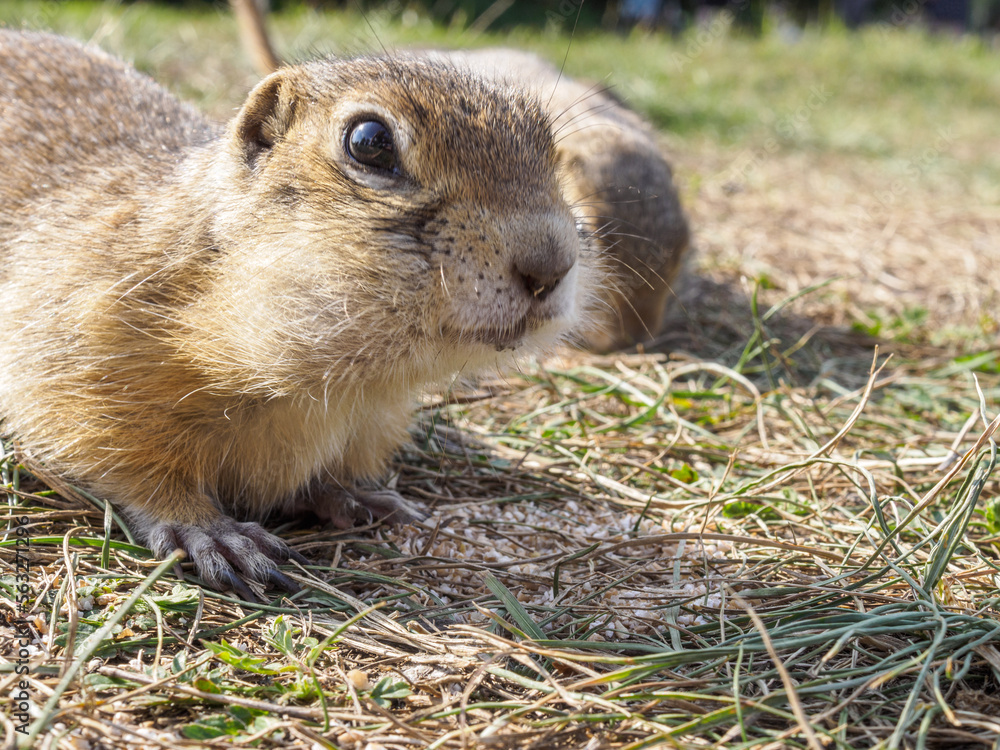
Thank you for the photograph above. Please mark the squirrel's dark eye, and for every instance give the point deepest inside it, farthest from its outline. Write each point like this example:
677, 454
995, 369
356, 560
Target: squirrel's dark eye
369, 142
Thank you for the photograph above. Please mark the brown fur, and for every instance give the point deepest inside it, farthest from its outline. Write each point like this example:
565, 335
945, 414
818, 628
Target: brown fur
203, 322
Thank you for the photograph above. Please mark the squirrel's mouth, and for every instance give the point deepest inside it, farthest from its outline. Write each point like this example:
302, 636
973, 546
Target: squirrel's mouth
501, 338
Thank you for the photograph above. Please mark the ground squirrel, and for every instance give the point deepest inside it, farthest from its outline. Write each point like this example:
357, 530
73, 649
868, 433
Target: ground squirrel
614, 174
203, 323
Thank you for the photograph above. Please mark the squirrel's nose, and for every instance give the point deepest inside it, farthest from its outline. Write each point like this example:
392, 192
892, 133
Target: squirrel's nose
542, 268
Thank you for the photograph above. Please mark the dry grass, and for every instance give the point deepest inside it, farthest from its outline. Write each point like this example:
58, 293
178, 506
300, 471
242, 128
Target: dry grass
914, 260
616, 550
755, 541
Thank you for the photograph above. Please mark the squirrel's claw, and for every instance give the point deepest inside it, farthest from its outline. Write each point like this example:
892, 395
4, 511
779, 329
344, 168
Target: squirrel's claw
228, 553
238, 586
279, 580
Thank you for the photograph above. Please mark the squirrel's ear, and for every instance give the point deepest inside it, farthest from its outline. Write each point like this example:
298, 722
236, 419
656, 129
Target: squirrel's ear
266, 116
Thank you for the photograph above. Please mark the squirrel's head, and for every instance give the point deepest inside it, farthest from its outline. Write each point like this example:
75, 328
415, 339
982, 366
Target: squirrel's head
397, 217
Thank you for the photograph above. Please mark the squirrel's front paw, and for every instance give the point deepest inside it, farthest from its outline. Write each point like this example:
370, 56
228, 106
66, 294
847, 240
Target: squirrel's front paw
227, 553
